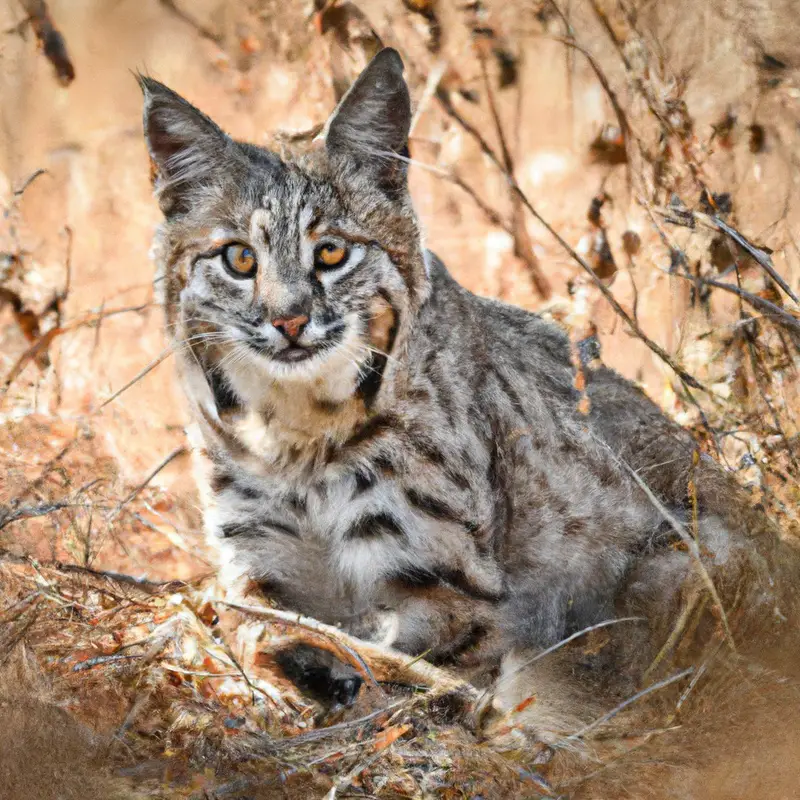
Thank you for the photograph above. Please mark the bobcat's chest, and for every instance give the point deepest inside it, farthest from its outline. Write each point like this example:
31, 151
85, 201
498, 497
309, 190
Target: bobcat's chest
360, 533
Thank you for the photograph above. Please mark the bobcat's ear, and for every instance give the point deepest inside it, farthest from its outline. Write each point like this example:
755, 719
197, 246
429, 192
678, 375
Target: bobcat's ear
185, 146
371, 123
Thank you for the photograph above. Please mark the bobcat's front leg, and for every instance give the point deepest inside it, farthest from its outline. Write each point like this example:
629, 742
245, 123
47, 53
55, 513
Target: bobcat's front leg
439, 621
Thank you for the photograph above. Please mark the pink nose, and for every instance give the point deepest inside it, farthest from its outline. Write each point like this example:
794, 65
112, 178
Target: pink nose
291, 327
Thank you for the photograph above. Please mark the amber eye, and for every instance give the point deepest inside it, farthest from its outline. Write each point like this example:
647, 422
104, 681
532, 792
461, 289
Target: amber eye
240, 260
329, 255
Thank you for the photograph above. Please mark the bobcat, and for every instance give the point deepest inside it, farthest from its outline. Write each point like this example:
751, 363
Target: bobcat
395, 455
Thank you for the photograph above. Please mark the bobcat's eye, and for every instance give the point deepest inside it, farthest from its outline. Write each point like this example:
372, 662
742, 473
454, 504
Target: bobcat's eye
328, 256
240, 260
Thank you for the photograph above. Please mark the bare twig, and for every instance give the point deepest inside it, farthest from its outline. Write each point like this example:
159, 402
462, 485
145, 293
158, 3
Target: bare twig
563, 642
329, 730
760, 256
657, 349
206, 33
693, 546
387, 662
28, 181
630, 701
98, 661
487, 210
151, 587
765, 307
431, 85
178, 451
451, 111
570, 41
44, 342
151, 366
30, 512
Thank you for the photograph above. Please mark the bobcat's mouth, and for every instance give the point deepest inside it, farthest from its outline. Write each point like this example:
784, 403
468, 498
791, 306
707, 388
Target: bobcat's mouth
294, 353
306, 348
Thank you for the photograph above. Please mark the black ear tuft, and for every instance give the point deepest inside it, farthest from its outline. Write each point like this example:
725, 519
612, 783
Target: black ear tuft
185, 146
372, 121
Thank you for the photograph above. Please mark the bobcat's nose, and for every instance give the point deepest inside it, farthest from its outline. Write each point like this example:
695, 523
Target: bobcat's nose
291, 327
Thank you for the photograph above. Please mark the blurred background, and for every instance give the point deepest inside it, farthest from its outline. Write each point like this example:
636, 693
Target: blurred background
649, 135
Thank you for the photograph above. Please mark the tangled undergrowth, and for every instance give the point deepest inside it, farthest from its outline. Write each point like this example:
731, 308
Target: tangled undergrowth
673, 258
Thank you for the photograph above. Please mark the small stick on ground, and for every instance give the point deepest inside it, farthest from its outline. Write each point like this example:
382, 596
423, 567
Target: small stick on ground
388, 664
149, 586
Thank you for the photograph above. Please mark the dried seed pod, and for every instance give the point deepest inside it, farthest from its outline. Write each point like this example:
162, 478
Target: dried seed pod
631, 243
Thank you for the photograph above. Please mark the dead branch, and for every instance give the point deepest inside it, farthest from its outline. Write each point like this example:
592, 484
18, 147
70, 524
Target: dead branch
206, 33
44, 341
759, 367
523, 247
7, 516
765, 307
387, 664
487, 210
451, 111
761, 256
151, 587
50, 40
569, 40
688, 379
151, 366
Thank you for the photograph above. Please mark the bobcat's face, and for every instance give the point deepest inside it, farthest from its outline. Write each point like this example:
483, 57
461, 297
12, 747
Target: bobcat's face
288, 286
288, 271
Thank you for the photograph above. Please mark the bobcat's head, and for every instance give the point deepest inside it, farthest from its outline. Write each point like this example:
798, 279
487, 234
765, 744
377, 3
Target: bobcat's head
287, 270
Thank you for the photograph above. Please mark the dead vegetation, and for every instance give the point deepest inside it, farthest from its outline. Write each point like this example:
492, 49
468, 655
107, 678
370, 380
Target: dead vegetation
628, 168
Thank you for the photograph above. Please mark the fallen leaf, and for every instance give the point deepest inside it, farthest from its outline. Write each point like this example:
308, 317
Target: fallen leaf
389, 736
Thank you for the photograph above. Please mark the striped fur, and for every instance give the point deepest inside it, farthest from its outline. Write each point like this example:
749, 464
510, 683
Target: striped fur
424, 472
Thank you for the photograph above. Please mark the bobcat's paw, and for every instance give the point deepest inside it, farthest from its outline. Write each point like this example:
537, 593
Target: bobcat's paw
320, 675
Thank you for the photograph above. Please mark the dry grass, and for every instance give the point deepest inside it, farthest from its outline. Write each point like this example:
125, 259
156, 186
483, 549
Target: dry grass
658, 144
